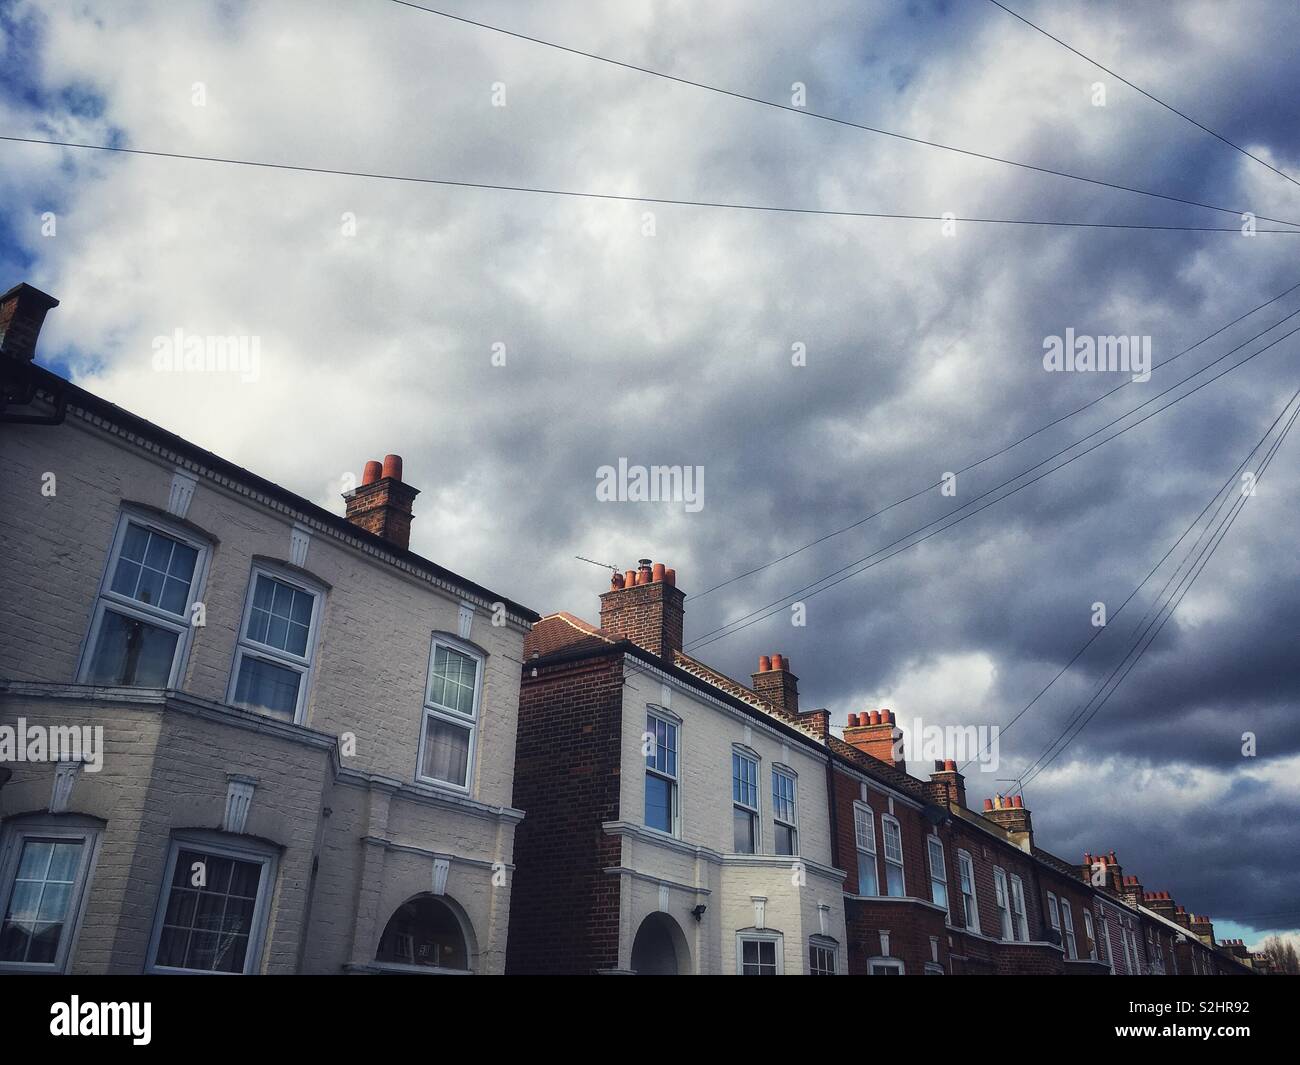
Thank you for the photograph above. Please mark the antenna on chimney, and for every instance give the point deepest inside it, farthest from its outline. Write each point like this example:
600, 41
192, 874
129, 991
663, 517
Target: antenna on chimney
602, 565
1018, 782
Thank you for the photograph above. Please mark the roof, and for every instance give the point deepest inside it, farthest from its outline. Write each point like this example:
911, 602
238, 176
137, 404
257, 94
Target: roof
562, 631
76, 396
562, 636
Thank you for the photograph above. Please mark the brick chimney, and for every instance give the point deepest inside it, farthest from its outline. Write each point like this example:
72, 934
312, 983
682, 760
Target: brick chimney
1114, 881
775, 683
1009, 812
645, 606
22, 312
1180, 916
874, 732
1160, 902
382, 505
1132, 891
1201, 927
947, 785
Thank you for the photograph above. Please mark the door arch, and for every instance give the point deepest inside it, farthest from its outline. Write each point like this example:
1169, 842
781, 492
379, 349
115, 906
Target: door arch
427, 932
659, 948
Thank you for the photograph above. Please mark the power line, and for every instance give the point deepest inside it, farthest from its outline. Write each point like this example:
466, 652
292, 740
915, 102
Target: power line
1158, 623
1232, 477
735, 626
979, 462
824, 117
1149, 96
624, 198
807, 592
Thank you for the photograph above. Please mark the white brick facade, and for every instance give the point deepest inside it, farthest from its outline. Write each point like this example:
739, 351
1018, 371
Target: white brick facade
354, 835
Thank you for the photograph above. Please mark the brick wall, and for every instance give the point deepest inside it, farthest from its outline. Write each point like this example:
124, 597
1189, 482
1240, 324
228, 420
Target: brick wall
564, 912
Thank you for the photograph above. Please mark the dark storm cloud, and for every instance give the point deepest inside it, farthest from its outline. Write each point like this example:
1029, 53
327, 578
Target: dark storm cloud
924, 352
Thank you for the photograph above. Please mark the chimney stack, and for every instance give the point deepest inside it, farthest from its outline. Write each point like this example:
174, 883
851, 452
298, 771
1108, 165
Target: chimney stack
775, 683
1010, 813
645, 606
947, 785
874, 732
1160, 902
382, 504
22, 312
1132, 891
1201, 927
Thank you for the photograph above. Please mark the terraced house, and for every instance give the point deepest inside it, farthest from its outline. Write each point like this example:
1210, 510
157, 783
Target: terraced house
303, 733
676, 821
240, 733
682, 822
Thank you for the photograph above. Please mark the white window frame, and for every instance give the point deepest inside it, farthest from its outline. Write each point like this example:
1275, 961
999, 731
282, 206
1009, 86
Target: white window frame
1110, 947
1002, 903
106, 598
940, 877
756, 811
760, 936
1019, 910
213, 844
15, 833
246, 647
1067, 923
1090, 930
674, 779
830, 948
966, 872
792, 824
452, 717
866, 847
886, 821
885, 963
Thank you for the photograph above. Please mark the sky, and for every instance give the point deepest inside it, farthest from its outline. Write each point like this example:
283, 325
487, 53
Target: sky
817, 368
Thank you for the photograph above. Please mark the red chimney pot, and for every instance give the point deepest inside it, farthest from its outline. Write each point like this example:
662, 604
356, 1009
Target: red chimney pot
764, 663
393, 467
372, 472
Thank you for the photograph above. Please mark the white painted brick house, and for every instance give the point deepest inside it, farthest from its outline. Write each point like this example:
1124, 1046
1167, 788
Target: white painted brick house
308, 732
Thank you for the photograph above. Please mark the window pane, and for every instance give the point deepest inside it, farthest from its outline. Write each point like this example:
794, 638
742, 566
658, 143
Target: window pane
451, 680
280, 616
40, 900
205, 927
264, 686
744, 780
744, 830
867, 880
154, 569
135, 542
132, 652
894, 879
446, 751
658, 803
784, 839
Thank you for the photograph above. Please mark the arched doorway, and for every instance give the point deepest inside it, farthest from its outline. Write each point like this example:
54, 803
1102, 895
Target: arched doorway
659, 948
425, 932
